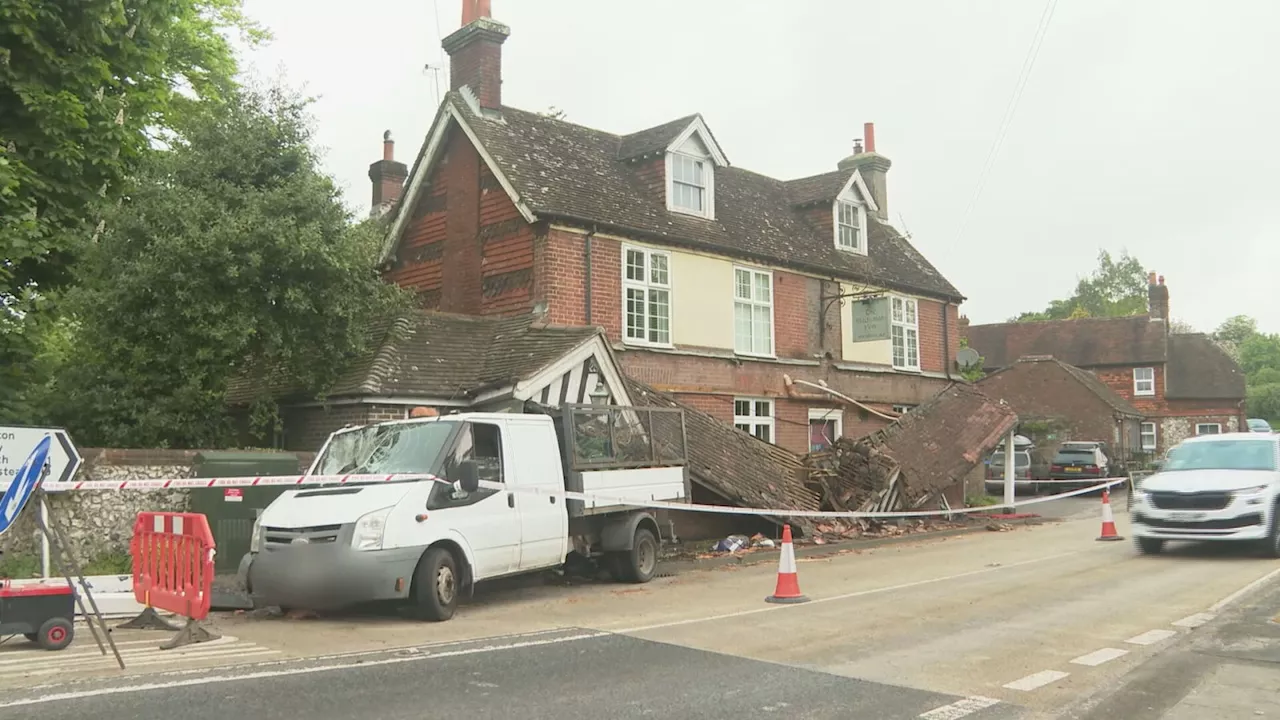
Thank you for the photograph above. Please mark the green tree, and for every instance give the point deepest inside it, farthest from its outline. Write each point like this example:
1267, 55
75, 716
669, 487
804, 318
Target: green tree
1258, 352
1233, 332
1264, 402
1116, 288
232, 255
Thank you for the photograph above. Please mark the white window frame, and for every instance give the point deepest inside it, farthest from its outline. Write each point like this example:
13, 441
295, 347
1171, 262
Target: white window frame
1143, 435
753, 422
646, 286
753, 302
903, 409
1144, 387
837, 221
908, 325
823, 415
708, 186
1206, 425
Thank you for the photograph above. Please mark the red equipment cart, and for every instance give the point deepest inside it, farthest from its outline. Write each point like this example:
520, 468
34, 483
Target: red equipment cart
41, 612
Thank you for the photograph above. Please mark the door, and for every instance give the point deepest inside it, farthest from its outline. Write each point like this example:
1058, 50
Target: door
544, 520
488, 519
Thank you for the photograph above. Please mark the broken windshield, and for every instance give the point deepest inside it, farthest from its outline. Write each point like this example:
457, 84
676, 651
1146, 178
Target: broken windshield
400, 448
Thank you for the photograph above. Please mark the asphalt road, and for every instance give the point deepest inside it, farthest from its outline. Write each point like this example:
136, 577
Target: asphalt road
1038, 619
569, 676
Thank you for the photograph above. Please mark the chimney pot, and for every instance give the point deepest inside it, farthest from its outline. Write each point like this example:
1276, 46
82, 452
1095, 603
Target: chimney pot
388, 147
1151, 278
873, 167
869, 134
387, 176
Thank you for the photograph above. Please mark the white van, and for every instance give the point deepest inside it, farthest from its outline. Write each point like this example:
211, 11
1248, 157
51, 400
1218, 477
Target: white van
426, 541
1212, 487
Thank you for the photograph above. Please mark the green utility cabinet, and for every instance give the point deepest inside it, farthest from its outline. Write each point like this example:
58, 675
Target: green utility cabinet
232, 511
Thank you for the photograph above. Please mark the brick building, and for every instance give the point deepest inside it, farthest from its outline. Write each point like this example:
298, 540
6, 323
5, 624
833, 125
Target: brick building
1183, 384
1069, 403
735, 292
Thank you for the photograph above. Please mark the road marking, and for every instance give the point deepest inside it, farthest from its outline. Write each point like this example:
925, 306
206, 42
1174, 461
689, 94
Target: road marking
1151, 637
959, 708
1193, 621
1097, 657
286, 672
1028, 683
846, 596
1218, 606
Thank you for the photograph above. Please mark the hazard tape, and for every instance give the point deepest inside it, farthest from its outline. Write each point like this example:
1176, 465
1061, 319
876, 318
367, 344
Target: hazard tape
594, 499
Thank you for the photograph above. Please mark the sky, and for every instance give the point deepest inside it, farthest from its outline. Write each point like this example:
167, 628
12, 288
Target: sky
1147, 126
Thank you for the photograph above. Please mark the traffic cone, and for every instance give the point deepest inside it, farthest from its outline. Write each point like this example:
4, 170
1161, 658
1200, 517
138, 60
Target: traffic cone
1108, 520
788, 589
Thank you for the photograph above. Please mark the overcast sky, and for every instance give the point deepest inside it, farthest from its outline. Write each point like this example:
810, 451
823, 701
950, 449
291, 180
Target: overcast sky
1146, 125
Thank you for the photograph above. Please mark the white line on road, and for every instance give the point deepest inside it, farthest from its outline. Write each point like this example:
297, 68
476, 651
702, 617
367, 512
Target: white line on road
1028, 683
1218, 606
1193, 621
218, 679
1151, 637
846, 596
1097, 657
959, 708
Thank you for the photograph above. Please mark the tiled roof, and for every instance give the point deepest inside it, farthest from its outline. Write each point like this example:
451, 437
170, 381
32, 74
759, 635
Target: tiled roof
1200, 370
654, 139
1084, 377
573, 173
939, 442
440, 355
1084, 342
747, 471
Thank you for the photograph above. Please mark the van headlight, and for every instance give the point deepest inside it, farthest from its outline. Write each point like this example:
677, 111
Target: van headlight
369, 530
255, 540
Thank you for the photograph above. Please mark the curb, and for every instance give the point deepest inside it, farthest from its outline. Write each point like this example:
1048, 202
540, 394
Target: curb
771, 556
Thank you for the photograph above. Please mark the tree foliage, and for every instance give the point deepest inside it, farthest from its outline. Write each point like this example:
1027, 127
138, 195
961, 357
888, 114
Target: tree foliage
232, 255
85, 87
1259, 356
1116, 288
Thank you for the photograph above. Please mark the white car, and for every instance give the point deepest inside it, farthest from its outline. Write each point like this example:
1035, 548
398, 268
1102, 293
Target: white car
1212, 487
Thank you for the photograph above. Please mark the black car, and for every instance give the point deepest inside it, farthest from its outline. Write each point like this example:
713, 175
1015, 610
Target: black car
1074, 462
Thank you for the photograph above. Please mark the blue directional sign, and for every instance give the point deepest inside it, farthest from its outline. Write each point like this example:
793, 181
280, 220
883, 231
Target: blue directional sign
25, 483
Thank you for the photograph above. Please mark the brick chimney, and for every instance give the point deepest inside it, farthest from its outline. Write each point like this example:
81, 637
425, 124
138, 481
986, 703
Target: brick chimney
387, 176
475, 53
1157, 298
873, 166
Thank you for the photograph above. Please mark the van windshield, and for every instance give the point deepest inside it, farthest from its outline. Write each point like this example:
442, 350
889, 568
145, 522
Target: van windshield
399, 448
1222, 455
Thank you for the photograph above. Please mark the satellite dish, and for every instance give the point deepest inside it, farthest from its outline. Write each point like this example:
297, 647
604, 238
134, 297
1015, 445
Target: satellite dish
968, 357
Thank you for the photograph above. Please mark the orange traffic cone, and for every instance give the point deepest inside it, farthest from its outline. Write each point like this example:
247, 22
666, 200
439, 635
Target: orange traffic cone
788, 589
1108, 520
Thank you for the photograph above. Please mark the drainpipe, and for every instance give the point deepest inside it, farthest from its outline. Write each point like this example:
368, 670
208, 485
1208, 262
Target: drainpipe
946, 340
586, 259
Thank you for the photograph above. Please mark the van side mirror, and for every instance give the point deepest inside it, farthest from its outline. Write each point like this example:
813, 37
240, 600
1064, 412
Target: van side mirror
468, 476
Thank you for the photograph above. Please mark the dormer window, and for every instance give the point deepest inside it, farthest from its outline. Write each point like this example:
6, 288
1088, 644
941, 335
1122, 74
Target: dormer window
692, 159
689, 184
851, 223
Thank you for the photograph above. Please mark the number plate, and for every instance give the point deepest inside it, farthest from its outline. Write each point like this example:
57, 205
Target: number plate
1073, 469
1188, 516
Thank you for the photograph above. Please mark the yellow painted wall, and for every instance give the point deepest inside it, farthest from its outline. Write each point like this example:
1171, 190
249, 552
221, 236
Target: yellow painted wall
879, 352
702, 301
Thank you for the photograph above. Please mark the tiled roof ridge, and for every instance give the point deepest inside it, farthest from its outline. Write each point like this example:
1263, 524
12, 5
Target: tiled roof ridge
1081, 320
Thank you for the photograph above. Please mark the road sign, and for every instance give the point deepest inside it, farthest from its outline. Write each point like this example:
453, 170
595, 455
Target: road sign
16, 443
24, 483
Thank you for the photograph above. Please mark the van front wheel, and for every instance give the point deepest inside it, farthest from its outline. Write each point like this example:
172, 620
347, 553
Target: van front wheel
436, 585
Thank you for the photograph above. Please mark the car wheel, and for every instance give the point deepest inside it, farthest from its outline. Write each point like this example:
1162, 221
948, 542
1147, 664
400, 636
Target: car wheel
436, 585
1272, 547
1150, 546
641, 562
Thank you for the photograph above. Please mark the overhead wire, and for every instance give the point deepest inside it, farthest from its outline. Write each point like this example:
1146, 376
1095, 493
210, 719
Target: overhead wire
1024, 75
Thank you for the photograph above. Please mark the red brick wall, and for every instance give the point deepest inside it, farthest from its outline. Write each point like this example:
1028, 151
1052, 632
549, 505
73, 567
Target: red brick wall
305, 429
938, 348
1043, 390
795, 315
560, 269
467, 249
478, 64
1121, 381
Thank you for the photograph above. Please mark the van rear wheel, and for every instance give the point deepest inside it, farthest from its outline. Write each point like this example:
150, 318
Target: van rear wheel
641, 562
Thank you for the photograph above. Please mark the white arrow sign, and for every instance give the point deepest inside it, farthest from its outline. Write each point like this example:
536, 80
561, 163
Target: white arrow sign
16, 443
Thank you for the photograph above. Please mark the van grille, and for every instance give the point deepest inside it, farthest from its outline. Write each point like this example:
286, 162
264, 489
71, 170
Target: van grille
318, 535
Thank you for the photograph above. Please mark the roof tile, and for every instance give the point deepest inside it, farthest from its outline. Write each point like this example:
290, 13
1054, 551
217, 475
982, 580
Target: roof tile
1200, 370
1083, 342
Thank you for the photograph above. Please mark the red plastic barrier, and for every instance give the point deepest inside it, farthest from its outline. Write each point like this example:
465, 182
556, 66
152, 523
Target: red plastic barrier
173, 562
